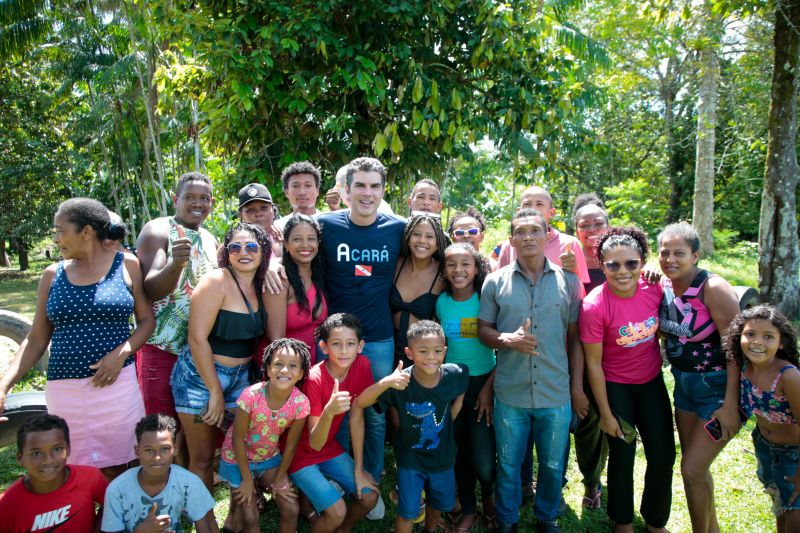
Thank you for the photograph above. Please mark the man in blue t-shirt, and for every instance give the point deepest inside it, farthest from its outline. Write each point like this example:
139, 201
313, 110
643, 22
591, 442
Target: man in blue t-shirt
361, 246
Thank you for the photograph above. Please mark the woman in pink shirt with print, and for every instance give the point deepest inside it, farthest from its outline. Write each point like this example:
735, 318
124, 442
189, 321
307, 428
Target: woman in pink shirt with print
619, 326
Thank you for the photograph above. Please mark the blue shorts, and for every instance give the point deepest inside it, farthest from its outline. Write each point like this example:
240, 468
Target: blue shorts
229, 472
775, 461
191, 393
440, 491
313, 481
700, 393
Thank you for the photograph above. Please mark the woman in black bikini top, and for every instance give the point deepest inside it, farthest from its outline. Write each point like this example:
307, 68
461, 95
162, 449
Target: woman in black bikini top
419, 277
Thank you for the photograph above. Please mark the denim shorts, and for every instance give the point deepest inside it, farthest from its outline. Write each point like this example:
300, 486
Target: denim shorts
440, 491
313, 481
229, 472
700, 393
775, 462
191, 393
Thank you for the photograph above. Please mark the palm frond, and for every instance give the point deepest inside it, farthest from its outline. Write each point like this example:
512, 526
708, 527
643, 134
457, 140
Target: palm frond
582, 45
13, 11
560, 8
17, 37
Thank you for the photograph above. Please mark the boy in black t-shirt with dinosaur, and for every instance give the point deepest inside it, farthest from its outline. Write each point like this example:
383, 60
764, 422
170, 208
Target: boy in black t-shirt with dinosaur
424, 446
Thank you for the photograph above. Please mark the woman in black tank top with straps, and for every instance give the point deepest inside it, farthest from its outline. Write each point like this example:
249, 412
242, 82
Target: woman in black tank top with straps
419, 277
226, 319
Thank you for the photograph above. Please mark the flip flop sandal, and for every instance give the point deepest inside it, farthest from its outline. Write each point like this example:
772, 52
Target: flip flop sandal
593, 502
472, 527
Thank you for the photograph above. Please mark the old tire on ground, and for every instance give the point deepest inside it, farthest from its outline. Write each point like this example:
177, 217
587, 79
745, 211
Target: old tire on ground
20, 406
748, 296
16, 328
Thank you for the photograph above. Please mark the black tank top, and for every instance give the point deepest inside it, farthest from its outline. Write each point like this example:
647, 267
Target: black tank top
422, 307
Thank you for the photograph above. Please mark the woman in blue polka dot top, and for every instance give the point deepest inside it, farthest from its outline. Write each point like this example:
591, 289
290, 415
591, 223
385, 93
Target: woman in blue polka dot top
84, 306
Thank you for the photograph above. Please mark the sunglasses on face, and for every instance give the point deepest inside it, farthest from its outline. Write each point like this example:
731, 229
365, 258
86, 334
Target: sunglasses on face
472, 232
249, 247
630, 264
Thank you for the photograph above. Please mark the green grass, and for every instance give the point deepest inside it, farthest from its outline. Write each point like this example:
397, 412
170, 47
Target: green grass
741, 504
738, 265
18, 289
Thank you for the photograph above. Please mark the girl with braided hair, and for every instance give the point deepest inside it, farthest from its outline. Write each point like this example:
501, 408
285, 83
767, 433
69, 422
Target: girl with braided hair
251, 457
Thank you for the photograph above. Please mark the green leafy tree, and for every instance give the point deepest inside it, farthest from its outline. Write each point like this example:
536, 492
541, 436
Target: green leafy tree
22, 23
412, 84
35, 166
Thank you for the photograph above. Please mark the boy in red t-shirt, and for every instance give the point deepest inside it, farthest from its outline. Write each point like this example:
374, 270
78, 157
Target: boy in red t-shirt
332, 385
52, 496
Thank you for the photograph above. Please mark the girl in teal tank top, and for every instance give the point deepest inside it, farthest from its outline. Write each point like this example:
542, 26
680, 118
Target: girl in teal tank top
457, 309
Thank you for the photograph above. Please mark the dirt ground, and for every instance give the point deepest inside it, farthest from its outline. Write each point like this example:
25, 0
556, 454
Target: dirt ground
8, 349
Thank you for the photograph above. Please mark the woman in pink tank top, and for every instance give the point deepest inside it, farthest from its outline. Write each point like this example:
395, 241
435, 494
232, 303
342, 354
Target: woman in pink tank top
301, 305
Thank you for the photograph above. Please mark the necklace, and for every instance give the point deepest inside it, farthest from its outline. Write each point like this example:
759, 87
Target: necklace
273, 413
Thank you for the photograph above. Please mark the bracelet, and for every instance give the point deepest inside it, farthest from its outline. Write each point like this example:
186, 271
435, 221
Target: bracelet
280, 488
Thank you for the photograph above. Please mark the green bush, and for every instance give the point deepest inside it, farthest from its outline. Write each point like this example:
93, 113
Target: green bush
724, 238
639, 203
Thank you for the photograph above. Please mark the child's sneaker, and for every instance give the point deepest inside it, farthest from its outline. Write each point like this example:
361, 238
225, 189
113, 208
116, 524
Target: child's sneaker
377, 512
421, 516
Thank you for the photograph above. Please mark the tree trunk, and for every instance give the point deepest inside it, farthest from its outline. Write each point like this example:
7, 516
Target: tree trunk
703, 208
196, 137
22, 253
149, 95
668, 91
4, 260
778, 260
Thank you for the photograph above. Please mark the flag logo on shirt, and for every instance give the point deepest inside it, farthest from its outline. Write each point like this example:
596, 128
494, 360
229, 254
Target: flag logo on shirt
363, 270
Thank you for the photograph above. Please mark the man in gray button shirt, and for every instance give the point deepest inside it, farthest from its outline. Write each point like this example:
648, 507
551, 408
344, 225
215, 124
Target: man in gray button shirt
529, 313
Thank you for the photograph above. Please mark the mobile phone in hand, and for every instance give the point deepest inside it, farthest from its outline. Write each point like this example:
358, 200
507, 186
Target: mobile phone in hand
714, 428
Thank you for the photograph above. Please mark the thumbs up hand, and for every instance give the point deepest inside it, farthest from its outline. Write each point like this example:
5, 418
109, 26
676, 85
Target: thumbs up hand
153, 523
339, 401
521, 340
181, 248
398, 379
567, 259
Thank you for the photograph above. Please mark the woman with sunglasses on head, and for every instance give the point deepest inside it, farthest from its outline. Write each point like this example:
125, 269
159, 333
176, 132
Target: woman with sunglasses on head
226, 318
469, 226
697, 307
301, 306
619, 326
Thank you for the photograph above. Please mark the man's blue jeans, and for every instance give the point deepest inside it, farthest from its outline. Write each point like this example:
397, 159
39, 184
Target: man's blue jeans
550, 427
381, 357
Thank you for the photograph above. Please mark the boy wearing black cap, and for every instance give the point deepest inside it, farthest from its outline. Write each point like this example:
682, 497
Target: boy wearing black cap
256, 207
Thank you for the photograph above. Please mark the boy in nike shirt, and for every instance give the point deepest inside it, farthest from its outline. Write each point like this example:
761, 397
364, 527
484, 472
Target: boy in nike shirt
51, 496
